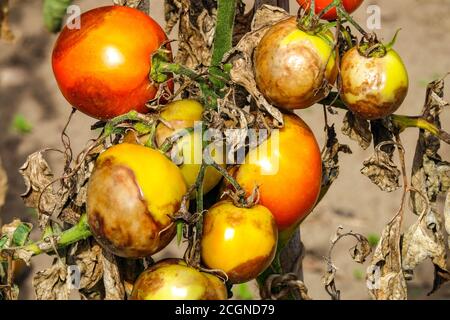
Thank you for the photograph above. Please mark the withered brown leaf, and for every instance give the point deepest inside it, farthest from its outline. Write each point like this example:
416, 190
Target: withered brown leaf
382, 171
51, 283
114, 288
88, 257
330, 158
425, 240
357, 129
40, 193
385, 277
359, 253
241, 57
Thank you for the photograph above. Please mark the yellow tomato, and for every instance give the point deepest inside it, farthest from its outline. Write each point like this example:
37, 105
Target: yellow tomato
240, 241
374, 87
180, 115
172, 279
133, 191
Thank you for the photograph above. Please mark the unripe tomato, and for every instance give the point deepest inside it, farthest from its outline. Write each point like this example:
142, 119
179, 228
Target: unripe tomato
180, 115
133, 191
103, 68
349, 5
374, 87
288, 170
172, 279
291, 66
240, 241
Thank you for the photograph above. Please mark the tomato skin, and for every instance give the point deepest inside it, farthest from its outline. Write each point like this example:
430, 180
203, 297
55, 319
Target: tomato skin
349, 5
102, 69
172, 279
291, 66
373, 88
239, 241
132, 194
289, 176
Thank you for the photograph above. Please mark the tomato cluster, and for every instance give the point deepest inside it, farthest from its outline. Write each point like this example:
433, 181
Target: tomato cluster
135, 191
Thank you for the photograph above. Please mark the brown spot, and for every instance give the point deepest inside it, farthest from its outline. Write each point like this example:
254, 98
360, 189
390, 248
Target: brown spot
235, 218
148, 283
249, 270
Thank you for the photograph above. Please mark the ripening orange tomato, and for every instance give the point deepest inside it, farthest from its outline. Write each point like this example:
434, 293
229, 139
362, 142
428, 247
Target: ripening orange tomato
288, 172
103, 68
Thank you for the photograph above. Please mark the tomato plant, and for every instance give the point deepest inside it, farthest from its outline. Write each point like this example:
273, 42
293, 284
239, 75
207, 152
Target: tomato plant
292, 67
349, 5
103, 67
125, 196
177, 281
373, 87
132, 194
239, 241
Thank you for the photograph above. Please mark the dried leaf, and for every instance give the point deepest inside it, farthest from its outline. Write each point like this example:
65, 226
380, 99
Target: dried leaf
196, 32
357, 129
171, 14
425, 240
359, 254
51, 283
114, 288
3, 185
385, 278
330, 158
38, 176
241, 57
88, 258
382, 171
17, 233
5, 32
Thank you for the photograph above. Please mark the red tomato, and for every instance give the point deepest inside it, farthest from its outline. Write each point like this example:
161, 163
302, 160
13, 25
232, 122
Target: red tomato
349, 5
103, 68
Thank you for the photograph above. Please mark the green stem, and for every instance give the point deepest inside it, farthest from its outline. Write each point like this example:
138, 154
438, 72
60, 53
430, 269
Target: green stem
223, 39
80, 231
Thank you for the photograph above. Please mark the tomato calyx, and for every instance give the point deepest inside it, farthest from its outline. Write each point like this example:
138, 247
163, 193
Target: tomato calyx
371, 47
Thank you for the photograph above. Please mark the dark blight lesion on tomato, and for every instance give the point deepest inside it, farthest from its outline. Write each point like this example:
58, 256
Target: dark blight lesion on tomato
373, 87
133, 192
103, 68
293, 68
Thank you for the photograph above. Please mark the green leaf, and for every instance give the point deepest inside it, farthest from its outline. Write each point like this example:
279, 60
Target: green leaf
20, 235
3, 241
21, 124
243, 292
54, 12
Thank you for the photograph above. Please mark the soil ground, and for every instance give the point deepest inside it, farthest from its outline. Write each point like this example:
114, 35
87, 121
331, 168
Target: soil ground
27, 87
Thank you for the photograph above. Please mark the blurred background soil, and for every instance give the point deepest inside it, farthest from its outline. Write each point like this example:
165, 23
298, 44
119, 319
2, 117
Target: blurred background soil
33, 114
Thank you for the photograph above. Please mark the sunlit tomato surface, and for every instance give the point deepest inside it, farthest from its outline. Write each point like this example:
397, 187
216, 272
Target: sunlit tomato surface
349, 5
287, 168
373, 88
291, 66
132, 193
183, 114
239, 241
103, 68
172, 279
